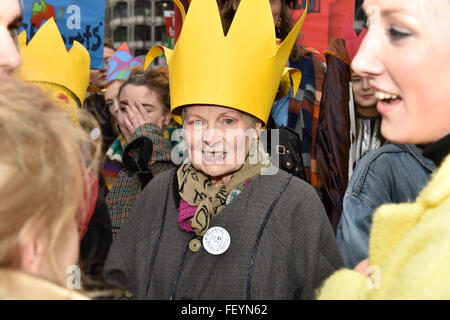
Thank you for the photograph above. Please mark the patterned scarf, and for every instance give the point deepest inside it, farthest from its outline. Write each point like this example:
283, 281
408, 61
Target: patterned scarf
195, 188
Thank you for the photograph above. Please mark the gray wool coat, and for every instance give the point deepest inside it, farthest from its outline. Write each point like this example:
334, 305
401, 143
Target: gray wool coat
282, 245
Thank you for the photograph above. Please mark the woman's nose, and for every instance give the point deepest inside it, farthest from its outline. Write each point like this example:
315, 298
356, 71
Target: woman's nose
366, 82
116, 108
9, 55
369, 59
211, 136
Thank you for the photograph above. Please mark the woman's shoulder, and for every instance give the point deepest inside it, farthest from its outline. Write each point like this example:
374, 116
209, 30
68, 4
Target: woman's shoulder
293, 195
386, 162
296, 204
281, 178
162, 178
160, 183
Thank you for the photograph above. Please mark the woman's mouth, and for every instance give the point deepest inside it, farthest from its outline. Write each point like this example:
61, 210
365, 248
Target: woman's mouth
214, 156
386, 101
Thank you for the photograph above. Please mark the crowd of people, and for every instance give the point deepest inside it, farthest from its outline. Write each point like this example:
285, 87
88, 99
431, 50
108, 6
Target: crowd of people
142, 182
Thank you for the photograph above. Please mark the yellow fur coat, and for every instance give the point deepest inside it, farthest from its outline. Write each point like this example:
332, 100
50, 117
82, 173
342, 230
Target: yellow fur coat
409, 250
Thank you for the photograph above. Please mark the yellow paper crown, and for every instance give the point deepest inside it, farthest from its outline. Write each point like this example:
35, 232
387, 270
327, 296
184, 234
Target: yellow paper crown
241, 70
46, 59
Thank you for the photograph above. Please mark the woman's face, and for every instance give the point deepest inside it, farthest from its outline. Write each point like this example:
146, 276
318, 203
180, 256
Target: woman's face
98, 76
149, 100
9, 22
218, 139
275, 5
406, 55
111, 99
363, 93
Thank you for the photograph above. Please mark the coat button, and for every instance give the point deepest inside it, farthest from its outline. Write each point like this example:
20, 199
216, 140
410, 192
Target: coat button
128, 294
195, 245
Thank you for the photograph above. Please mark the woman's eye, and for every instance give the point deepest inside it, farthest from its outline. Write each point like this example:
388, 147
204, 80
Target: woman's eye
13, 31
228, 121
397, 35
196, 123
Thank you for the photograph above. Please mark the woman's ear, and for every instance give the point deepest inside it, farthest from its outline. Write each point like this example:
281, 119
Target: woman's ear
32, 256
167, 119
258, 127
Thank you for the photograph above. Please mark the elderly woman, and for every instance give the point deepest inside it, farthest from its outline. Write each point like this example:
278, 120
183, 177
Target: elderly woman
408, 247
223, 225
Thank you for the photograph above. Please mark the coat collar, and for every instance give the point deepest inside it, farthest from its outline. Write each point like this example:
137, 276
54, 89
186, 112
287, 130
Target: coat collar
438, 150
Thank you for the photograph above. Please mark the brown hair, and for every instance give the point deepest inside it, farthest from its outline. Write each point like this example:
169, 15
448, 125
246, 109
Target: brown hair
285, 27
156, 80
44, 161
109, 44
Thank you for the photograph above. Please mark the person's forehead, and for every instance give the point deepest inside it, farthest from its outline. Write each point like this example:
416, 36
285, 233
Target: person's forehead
387, 7
113, 88
107, 52
213, 110
132, 91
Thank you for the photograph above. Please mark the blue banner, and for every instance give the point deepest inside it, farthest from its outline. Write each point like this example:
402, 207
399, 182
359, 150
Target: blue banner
80, 20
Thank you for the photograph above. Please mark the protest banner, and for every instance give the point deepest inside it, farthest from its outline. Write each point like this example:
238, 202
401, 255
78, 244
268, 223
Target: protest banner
81, 20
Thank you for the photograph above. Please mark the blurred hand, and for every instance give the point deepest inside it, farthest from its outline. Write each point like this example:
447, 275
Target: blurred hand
137, 116
363, 267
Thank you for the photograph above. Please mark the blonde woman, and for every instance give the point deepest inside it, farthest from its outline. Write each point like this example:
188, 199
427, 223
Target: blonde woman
45, 194
406, 54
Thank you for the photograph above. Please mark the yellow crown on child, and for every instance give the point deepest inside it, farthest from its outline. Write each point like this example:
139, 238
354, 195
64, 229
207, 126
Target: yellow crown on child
241, 70
45, 59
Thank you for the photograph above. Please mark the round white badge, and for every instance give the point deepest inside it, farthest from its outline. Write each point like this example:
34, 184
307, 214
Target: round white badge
95, 133
216, 240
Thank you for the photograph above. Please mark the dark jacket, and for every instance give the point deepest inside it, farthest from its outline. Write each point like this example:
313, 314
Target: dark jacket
97, 240
282, 245
333, 137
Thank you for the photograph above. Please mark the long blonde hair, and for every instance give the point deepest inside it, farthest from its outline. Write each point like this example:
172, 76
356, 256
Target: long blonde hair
44, 159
